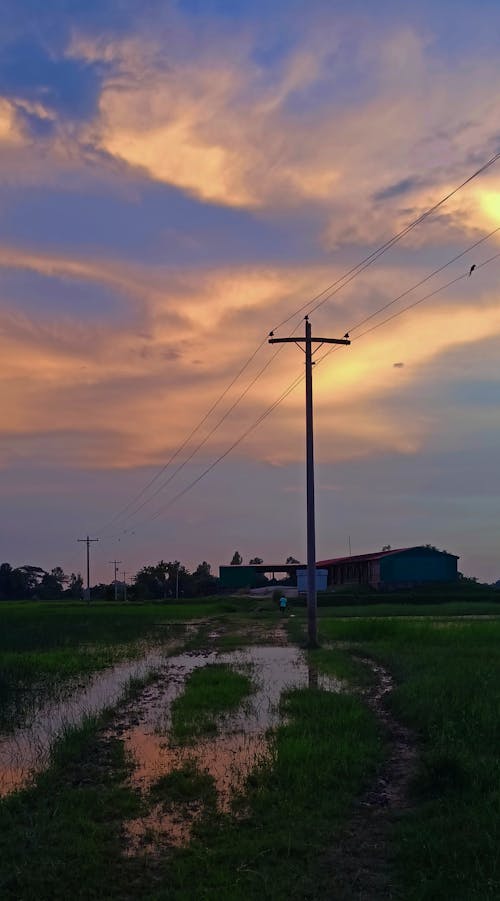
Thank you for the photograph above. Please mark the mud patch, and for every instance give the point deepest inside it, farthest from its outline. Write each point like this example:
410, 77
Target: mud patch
26, 751
242, 741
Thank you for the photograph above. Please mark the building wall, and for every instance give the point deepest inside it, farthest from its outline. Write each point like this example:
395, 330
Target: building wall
361, 572
405, 568
418, 566
238, 576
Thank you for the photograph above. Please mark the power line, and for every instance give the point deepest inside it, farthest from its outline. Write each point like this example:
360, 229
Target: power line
181, 447
207, 436
426, 279
115, 580
297, 381
316, 302
308, 342
88, 541
312, 305
410, 306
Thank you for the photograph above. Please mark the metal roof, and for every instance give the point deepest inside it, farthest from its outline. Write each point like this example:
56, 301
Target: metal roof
378, 555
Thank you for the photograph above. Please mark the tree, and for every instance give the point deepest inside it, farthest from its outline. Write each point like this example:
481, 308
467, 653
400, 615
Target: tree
52, 584
255, 561
5, 581
75, 587
150, 582
237, 559
202, 580
292, 560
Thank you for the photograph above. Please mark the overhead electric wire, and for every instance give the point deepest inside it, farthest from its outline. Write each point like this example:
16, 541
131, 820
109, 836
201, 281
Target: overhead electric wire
316, 302
226, 453
352, 273
410, 306
208, 435
186, 441
300, 378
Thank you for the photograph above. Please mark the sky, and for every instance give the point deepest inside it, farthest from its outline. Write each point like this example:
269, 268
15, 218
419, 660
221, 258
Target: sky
179, 178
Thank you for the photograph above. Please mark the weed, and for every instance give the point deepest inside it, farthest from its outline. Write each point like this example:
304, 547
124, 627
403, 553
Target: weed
185, 785
210, 691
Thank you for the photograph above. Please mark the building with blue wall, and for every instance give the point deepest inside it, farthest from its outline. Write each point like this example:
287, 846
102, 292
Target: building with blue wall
394, 568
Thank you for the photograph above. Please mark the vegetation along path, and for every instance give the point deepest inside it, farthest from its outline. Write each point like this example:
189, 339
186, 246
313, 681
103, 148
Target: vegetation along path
360, 861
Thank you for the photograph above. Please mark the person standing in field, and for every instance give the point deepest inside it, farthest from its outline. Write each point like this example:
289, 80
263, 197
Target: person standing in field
283, 604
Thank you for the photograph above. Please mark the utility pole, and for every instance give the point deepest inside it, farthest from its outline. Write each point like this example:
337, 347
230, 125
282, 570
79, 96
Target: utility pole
308, 342
115, 564
125, 574
88, 541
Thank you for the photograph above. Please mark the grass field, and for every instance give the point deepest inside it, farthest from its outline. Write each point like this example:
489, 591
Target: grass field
449, 692
44, 644
209, 692
276, 842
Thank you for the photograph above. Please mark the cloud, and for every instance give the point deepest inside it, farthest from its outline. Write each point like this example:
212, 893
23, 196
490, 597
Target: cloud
9, 129
132, 388
68, 87
233, 132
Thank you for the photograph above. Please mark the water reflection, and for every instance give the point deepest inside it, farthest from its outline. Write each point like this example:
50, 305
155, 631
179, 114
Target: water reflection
143, 724
26, 751
241, 743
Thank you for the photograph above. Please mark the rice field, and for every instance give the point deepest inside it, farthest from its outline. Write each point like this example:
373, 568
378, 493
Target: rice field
229, 763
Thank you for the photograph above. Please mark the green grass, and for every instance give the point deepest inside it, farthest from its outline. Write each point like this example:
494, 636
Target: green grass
185, 785
62, 838
26, 678
322, 757
449, 693
438, 609
39, 625
209, 692
339, 664
43, 644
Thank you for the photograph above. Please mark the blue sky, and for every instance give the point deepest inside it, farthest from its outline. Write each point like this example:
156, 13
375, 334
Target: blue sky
175, 179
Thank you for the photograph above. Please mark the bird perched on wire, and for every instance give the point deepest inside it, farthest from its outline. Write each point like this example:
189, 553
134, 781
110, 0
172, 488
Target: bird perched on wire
346, 335
471, 270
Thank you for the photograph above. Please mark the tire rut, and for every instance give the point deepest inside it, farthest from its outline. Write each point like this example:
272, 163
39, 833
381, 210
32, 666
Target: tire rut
361, 861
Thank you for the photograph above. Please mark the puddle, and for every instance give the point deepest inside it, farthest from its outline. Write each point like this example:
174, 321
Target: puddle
228, 758
26, 751
143, 724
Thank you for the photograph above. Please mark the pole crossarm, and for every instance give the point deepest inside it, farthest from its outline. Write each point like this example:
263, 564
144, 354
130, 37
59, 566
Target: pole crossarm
308, 342
88, 541
313, 340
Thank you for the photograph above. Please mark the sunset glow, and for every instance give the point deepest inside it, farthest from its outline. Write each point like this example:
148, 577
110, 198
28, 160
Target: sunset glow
172, 188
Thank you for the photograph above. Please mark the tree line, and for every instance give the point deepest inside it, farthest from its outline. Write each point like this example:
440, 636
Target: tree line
159, 582
22, 582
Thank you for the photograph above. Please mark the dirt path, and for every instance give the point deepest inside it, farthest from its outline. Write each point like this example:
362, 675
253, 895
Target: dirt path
360, 863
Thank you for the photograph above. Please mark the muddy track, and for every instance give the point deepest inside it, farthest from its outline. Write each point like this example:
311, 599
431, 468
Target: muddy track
361, 861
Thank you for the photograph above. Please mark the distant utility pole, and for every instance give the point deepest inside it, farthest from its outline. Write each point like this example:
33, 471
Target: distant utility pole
308, 342
88, 541
124, 574
115, 564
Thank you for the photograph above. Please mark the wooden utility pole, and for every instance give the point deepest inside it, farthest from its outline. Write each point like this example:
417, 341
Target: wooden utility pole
88, 541
125, 574
115, 564
308, 342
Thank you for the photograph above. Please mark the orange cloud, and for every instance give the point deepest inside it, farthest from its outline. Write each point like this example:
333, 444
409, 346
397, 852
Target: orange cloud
133, 389
9, 130
226, 131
